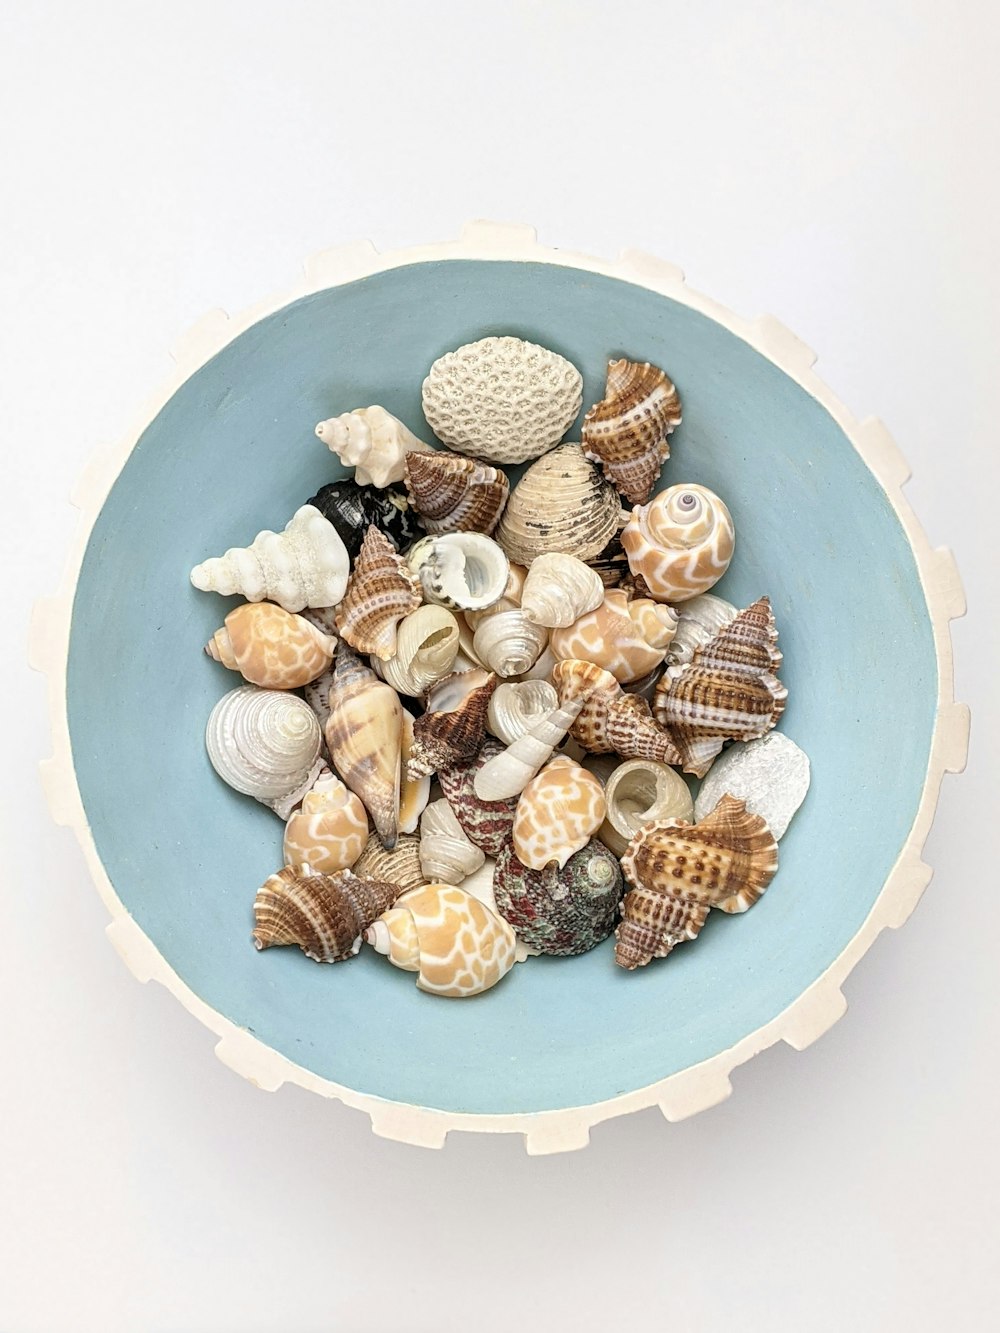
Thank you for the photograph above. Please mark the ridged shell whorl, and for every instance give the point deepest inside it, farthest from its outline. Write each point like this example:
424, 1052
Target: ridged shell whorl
681, 543
426, 648
270, 647
562, 503
509, 643
325, 915
399, 866
455, 494
502, 399
699, 620
265, 743
517, 705
610, 720
560, 911
372, 441
464, 571
382, 590
627, 432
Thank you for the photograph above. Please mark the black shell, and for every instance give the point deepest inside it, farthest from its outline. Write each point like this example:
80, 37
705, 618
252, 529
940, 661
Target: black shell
350, 508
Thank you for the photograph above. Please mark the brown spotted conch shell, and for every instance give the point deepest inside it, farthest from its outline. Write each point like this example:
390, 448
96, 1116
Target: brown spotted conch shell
455, 494
681, 543
364, 736
611, 720
325, 915
381, 591
627, 433
627, 637
557, 814
270, 647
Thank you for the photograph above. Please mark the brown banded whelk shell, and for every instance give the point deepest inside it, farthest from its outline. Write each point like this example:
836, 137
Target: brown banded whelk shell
382, 590
611, 720
562, 503
445, 737
325, 915
627, 433
455, 494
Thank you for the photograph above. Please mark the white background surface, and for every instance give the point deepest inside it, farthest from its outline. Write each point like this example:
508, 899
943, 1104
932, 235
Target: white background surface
832, 164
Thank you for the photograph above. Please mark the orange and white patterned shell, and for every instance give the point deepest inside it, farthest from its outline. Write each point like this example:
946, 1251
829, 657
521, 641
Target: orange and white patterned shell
329, 830
681, 543
557, 814
454, 943
627, 638
271, 647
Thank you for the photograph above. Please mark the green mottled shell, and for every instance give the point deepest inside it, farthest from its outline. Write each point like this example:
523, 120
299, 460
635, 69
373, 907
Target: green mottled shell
557, 911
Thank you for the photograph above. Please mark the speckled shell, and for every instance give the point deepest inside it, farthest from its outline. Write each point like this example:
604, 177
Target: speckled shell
305, 565
627, 432
455, 944
489, 824
517, 705
560, 911
681, 543
558, 812
626, 637
455, 494
728, 691
265, 743
559, 589
678, 871
414, 788
444, 738
364, 736
610, 719
270, 647
372, 441
382, 590
329, 830
399, 866
640, 792
465, 571
446, 854
325, 915
352, 509
562, 503
509, 643
502, 399
699, 620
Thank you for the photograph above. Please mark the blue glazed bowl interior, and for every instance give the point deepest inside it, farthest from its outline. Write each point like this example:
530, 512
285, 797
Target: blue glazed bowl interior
233, 451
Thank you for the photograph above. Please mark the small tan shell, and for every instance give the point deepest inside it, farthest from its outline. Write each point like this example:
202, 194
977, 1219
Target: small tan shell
414, 789
557, 814
627, 432
465, 571
442, 738
502, 399
454, 942
681, 543
627, 638
325, 915
639, 792
372, 441
559, 589
517, 705
610, 719
509, 643
329, 830
265, 743
562, 503
400, 866
508, 774
678, 871
446, 854
269, 646
455, 494
381, 591
364, 736
426, 647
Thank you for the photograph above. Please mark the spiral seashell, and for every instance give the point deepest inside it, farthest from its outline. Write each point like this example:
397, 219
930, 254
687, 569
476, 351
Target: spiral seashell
627, 638
681, 543
455, 494
728, 691
352, 509
270, 647
371, 441
414, 788
450, 692
627, 432
265, 743
305, 565
426, 647
502, 399
399, 866
771, 775
559, 589
558, 812
325, 915
446, 854
510, 601
445, 737
329, 830
560, 911
508, 774
382, 590
699, 620
562, 503
455, 944
678, 871
508, 643
639, 792
517, 705
488, 824
611, 720
364, 736
465, 571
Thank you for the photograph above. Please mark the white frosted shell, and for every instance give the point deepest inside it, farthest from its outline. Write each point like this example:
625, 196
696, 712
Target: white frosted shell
770, 774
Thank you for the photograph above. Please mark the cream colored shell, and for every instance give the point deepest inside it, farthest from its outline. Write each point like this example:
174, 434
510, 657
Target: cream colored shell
558, 813
509, 772
562, 503
465, 571
446, 854
559, 589
329, 830
699, 621
681, 543
638, 792
509, 643
517, 705
270, 647
627, 638
426, 647
510, 601
502, 399
372, 441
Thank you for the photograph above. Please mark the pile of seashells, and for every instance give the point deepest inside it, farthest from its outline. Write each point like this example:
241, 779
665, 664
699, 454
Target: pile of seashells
499, 685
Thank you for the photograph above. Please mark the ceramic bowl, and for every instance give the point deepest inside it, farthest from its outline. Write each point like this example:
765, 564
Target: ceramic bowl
861, 600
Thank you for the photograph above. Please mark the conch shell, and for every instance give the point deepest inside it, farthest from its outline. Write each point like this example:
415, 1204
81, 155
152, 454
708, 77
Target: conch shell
400, 866
446, 854
627, 432
509, 643
455, 494
699, 619
640, 792
728, 691
679, 871
611, 720
265, 743
371, 441
364, 735
517, 705
559, 911
559, 589
557, 814
562, 503
426, 648
455, 944
325, 915
681, 543
329, 830
445, 737
414, 788
627, 638
509, 773
464, 571
381, 591
270, 647
502, 399
305, 565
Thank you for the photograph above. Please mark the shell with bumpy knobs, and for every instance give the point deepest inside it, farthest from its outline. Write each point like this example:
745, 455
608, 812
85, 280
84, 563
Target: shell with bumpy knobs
699, 620
562, 503
325, 915
372, 441
610, 720
270, 647
330, 828
265, 743
681, 543
557, 814
560, 911
445, 736
627, 433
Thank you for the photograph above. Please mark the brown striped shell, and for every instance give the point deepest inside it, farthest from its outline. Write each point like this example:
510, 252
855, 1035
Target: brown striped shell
448, 736
627, 433
325, 915
382, 590
678, 871
455, 494
611, 721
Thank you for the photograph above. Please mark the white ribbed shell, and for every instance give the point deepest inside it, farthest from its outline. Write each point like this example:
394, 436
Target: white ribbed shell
265, 743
